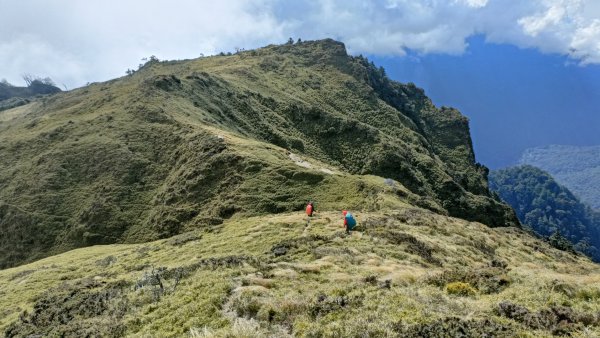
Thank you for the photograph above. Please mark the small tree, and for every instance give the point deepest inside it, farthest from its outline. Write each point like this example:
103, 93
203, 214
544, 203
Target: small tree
148, 61
290, 41
48, 81
28, 78
560, 242
36, 80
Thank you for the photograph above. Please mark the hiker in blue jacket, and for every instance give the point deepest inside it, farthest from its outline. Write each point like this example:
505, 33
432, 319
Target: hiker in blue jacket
349, 221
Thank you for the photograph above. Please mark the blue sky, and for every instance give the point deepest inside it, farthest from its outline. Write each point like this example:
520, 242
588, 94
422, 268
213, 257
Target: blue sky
526, 72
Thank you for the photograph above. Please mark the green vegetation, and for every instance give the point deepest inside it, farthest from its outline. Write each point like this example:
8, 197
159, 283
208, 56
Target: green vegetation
280, 276
577, 168
549, 209
185, 145
193, 176
460, 289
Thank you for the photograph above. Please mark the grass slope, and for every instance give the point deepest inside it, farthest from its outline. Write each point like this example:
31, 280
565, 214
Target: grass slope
404, 273
187, 144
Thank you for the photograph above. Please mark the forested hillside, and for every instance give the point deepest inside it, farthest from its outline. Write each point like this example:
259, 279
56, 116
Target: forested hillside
548, 207
577, 168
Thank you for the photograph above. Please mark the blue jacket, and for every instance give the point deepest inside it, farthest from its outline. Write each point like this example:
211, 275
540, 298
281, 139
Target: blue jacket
350, 221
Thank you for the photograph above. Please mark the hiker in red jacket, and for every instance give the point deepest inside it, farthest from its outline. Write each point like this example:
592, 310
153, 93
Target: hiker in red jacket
310, 209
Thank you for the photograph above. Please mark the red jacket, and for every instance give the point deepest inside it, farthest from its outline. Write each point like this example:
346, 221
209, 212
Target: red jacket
309, 210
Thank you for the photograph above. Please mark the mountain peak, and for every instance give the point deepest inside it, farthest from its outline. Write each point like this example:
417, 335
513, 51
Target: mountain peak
331, 46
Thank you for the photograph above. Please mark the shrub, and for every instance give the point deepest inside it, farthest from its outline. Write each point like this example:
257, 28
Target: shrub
371, 279
560, 320
107, 261
512, 311
85, 308
337, 301
558, 241
460, 289
486, 279
456, 327
21, 274
588, 294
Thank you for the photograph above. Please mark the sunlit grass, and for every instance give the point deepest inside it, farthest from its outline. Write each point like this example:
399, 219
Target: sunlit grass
319, 286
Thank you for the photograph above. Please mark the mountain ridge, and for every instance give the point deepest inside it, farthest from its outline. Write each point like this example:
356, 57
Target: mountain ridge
142, 157
170, 203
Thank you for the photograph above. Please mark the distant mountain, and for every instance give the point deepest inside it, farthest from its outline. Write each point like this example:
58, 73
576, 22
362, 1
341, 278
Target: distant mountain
547, 207
577, 168
14, 96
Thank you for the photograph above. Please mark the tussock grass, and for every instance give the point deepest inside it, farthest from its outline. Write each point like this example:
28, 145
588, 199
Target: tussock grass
326, 284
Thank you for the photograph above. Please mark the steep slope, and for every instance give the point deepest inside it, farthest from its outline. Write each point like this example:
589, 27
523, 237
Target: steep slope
187, 144
577, 168
403, 273
547, 207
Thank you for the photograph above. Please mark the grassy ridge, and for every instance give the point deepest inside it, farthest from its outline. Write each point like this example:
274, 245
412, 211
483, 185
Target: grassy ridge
403, 273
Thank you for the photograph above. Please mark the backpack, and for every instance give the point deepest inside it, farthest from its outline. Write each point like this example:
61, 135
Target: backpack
350, 221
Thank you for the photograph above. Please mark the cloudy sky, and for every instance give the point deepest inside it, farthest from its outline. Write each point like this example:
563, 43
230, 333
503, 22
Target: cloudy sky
75, 42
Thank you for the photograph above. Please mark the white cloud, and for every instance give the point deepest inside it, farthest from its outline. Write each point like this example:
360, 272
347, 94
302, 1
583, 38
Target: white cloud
76, 41
533, 25
585, 44
568, 27
473, 3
